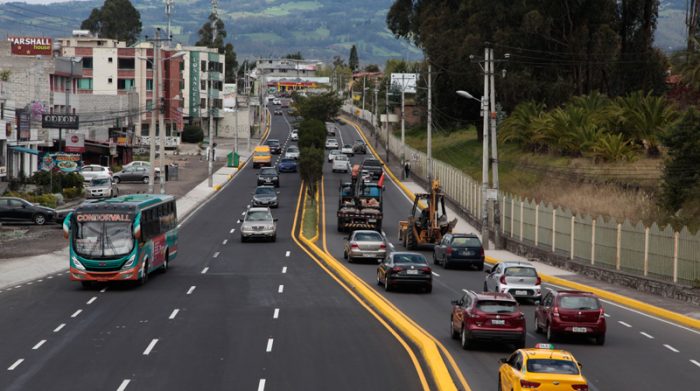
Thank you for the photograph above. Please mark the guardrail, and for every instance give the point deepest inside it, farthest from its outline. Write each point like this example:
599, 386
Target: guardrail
602, 241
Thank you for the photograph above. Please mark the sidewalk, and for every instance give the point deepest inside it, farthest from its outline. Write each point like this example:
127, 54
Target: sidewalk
416, 186
18, 270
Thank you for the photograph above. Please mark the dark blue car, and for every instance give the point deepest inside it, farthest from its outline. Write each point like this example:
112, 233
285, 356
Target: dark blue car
287, 165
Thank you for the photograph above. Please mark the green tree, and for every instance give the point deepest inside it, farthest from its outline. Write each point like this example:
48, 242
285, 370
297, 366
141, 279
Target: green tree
294, 56
645, 118
353, 60
206, 33
323, 107
311, 166
681, 178
116, 19
231, 63
372, 68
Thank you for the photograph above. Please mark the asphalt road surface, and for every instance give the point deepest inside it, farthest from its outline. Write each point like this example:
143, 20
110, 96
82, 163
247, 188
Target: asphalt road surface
641, 352
227, 315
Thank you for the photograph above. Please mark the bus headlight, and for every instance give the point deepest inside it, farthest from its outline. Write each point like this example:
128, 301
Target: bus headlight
129, 262
77, 264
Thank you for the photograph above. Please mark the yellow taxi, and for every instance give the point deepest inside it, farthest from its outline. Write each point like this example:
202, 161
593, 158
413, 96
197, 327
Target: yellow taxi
541, 368
262, 156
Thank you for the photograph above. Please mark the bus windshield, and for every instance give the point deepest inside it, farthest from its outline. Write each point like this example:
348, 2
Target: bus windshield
97, 239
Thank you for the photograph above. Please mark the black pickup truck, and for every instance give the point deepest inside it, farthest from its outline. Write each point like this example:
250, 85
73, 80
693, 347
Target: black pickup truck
371, 169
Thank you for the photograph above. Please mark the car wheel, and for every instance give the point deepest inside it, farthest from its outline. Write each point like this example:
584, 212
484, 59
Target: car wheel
600, 339
351, 259
117, 180
387, 287
550, 334
480, 267
379, 281
428, 289
39, 219
166, 261
538, 328
465, 340
435, 261
243, 239
446, 263
486, 287
521, 343
453, 333
274, 238
144, 276
345, 255
145, 180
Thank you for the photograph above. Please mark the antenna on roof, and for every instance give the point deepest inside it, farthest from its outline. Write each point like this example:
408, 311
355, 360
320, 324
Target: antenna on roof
168, 12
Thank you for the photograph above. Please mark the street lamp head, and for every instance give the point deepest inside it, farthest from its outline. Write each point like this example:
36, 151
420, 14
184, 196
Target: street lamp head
176, 55
465, 94
76, 59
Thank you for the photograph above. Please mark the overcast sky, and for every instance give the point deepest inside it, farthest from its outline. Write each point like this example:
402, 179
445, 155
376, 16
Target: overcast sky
36, 1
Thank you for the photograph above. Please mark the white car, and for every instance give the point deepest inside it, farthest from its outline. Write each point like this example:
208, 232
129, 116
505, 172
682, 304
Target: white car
91, 171
292, 152
347, 150
140, 163
277, 102
520, 279
341, 163
333, 153
294, 136
332, 143
270, 98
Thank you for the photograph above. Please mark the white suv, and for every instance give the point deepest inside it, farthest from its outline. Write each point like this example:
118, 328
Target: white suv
520, 279
92, 171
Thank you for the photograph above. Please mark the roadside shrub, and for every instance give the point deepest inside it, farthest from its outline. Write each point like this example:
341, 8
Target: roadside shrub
54, 182
43, 199
192, 134
116, 167
613, 147
72, 192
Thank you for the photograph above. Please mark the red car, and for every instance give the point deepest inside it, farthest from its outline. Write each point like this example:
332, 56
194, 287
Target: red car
488, 316
571, 312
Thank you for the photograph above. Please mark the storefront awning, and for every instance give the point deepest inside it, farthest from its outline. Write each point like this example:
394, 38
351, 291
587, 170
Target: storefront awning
24, 150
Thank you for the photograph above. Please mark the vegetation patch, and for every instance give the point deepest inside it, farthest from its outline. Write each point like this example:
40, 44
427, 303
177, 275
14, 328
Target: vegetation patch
310, 226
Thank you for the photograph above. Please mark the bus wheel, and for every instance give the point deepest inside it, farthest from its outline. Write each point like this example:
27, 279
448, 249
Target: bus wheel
166, 262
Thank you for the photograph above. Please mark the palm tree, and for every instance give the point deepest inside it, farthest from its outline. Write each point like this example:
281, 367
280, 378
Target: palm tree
644, 118
518, 129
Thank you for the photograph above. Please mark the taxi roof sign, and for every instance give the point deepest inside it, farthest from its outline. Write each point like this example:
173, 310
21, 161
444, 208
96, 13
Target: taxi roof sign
544, 346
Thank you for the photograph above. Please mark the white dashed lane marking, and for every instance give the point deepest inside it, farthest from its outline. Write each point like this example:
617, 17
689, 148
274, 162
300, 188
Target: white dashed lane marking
15, 365
92, 300
287, 253
269, 345
216, 254
435, 274
174, 313
60, 326
697, 364
624, 324
103, 290
671, 348
150, 347
76, 313
205, 270
224, 242
284, 270
189, 291
38, 345
261, 385
232, 230
276, 314
280, 289
124, 384
646, 335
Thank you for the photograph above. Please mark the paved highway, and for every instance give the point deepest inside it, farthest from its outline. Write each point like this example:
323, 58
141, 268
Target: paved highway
227, 315
641, 352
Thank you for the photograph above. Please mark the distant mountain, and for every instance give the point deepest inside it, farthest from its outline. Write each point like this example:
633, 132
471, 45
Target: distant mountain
320, 29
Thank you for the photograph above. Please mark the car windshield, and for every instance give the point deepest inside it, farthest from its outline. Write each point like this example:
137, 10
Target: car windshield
262, 153
410, 258
542, 365
466, 242
332, 140
265, 191
268, 171
579, 302
258, 215
100, 182
496, 306
335, 152
286, 160
292, 149
371, 163
515, 271
103, 239
368, 237
274, 143
341, 158
347, 146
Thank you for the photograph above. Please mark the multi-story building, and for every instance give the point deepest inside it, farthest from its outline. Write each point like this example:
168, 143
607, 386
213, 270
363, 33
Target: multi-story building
288, 74
203, 84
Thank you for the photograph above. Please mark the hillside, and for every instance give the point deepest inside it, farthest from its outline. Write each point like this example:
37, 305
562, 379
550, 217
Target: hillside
319, 29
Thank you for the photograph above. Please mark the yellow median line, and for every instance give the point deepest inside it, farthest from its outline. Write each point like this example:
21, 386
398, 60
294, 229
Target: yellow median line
624, 300
319, 253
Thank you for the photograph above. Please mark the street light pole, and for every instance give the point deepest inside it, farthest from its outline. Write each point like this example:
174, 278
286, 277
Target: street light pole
154, 112
494, 152
161, 122
430, 128
386, 105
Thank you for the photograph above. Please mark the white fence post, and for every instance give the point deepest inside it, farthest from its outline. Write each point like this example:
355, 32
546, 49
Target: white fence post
521, 221
512, 216
554, 230
503, 215
675, 256
619, 244
646, 251
593, 242
537, 224
573, 225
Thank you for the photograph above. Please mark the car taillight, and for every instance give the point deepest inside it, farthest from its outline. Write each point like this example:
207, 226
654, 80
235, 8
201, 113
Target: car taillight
528, 384
580, 387
448, 250
354, 245
555, 311
382, 246
396, 269
502, 279
601, 313
482, 252
539, 281
425, 270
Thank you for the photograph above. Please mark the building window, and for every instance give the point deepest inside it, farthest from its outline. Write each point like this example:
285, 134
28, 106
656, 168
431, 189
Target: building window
85, 84
125, 63
182, 65
149, 105
125, 84
182, 84
109, 60
149, 64
204, 66
149, 84
203, 84
202, 103
2, 111
87, 62
109, 80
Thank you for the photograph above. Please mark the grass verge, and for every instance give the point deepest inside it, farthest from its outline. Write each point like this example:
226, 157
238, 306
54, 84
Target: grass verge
309, 226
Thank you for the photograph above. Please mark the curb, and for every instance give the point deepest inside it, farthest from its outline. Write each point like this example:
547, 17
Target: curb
428, 349
623, 300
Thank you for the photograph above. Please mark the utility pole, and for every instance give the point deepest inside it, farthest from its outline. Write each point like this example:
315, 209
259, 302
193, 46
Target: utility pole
430, 126
168, 12
494, 152
364, 80
154, 112
377, 125
210, 155
161, 120
235, 142
247, 95
386, 105
485, 157
403, 123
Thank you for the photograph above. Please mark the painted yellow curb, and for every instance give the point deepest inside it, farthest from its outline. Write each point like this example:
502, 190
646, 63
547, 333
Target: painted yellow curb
217, 187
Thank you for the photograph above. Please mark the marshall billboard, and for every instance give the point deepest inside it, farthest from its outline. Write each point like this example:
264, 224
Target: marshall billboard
31, 46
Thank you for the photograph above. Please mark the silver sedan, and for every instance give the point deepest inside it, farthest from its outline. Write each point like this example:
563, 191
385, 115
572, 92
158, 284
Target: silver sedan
258, 223
365, 244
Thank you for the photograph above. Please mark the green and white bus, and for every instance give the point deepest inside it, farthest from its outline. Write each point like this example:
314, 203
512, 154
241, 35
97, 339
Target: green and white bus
121, 239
